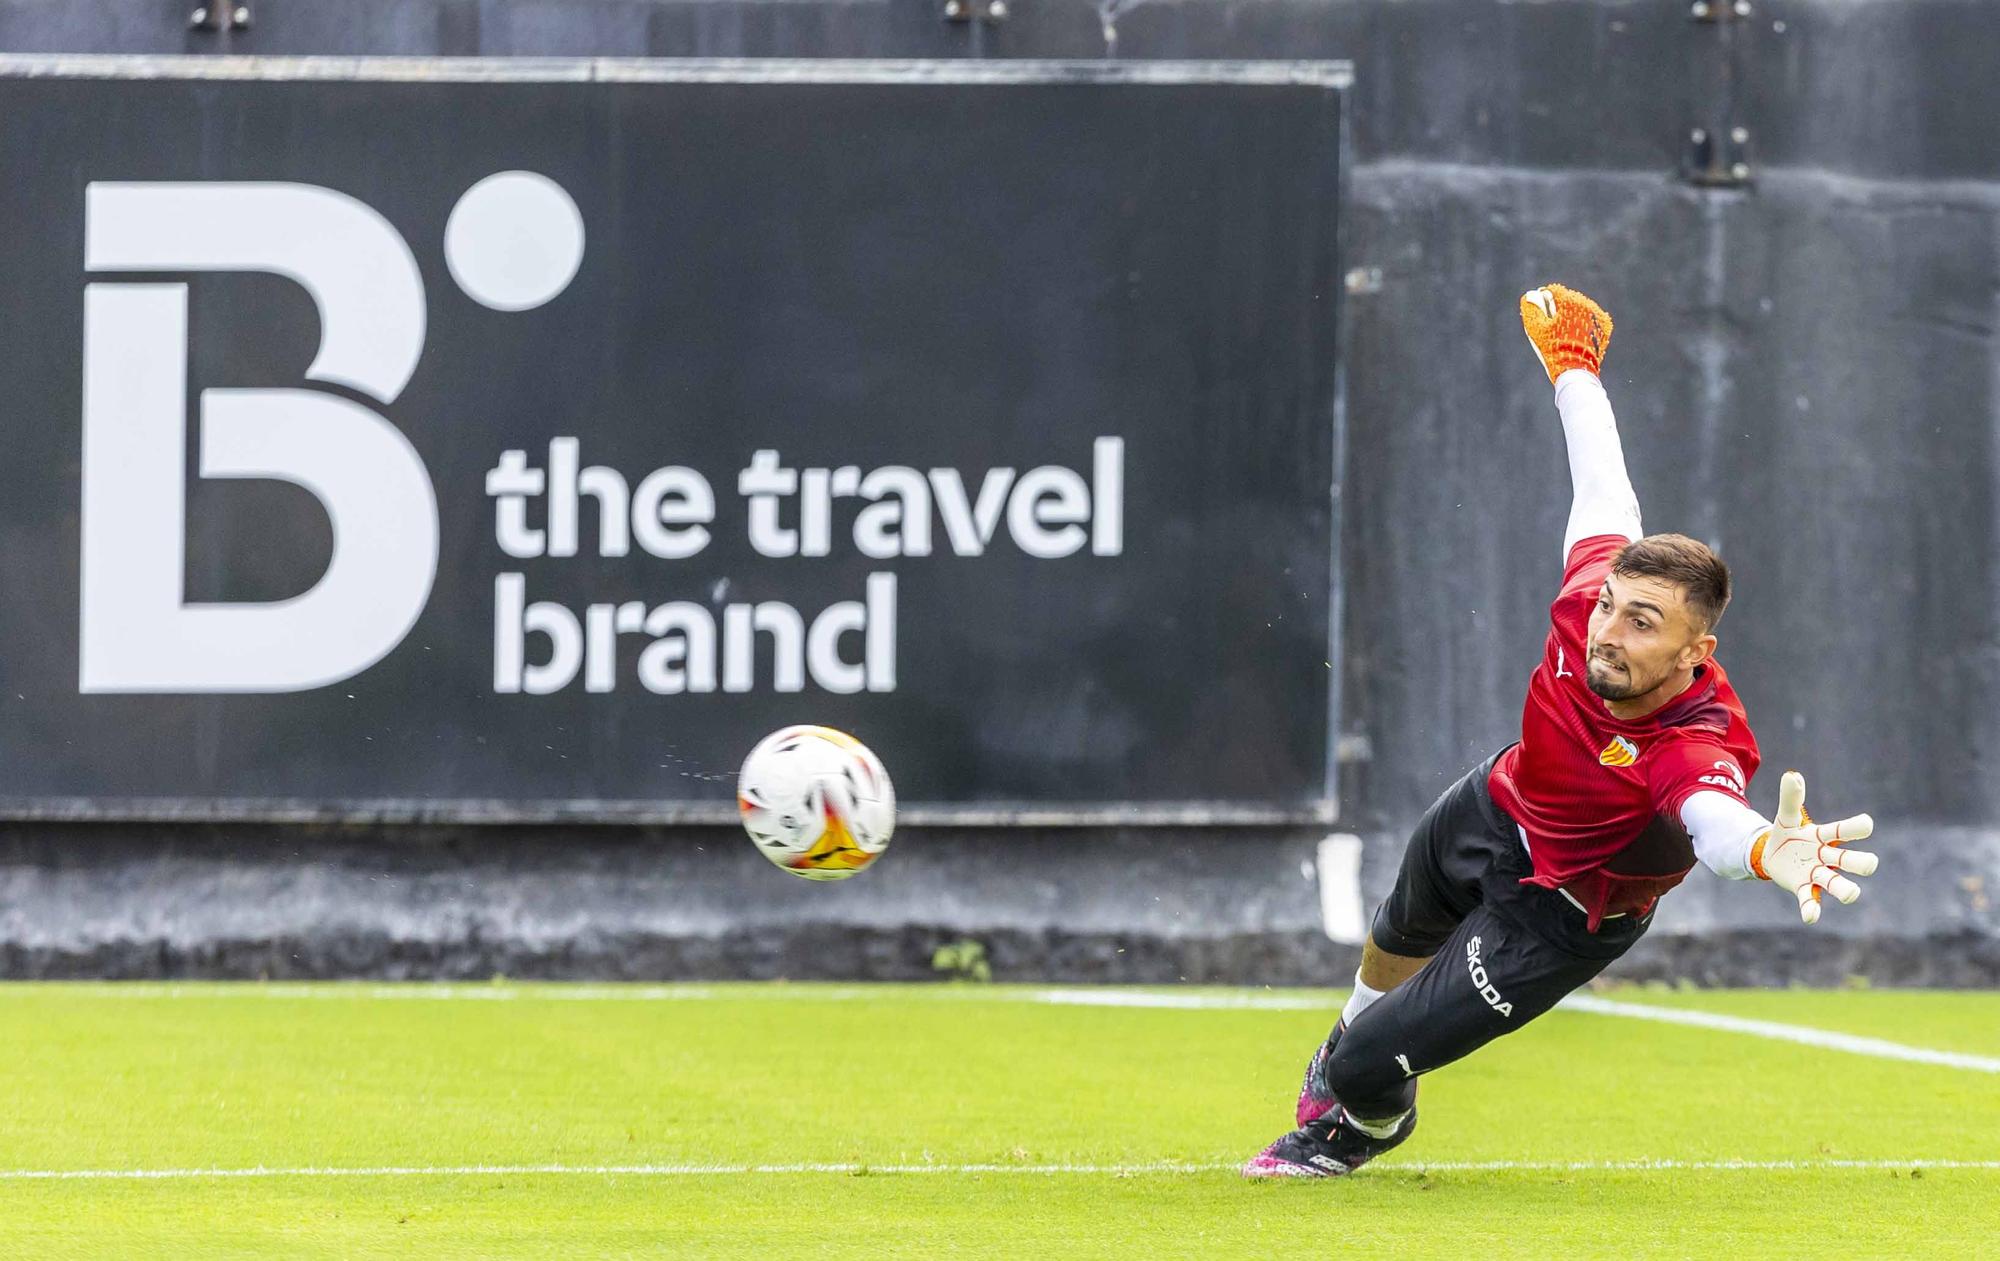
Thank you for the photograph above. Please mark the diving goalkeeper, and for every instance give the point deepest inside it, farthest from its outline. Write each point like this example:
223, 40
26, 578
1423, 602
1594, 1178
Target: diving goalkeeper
1544, 864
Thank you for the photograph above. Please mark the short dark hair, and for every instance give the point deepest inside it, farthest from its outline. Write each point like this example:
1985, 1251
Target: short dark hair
1689, 564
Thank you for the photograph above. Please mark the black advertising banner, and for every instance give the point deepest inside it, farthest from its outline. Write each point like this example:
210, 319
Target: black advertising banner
523, 440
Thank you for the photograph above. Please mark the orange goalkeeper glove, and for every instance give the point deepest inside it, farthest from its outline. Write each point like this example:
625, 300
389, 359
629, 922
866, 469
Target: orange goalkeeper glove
1566, 329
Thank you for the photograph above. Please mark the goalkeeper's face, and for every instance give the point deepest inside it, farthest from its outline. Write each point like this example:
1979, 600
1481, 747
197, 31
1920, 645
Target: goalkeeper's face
1643, 638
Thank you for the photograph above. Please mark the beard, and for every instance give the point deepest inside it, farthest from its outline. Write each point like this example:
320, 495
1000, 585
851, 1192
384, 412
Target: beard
1612, 684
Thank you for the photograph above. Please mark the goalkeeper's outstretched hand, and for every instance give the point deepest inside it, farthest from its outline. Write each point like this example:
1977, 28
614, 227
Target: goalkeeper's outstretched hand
1807, 858
1566, 329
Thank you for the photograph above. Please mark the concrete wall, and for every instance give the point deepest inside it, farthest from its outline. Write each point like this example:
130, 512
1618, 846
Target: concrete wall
1806, 373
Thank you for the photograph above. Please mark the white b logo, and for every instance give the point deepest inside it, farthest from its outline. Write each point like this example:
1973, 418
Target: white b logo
138, 633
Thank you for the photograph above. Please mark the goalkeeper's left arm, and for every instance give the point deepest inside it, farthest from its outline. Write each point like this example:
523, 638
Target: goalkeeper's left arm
1790, 851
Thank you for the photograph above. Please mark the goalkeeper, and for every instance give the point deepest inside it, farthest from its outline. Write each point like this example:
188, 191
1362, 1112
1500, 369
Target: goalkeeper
1544, 864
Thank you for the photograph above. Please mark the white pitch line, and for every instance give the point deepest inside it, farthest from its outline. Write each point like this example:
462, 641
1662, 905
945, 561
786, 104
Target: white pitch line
1824, 1038
1045, 1170
1254, 1000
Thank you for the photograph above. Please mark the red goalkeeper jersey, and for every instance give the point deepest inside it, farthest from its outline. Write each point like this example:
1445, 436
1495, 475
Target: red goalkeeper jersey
1599, 798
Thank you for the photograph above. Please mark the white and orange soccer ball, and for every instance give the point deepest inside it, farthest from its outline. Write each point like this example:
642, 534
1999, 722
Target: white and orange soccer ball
817, 802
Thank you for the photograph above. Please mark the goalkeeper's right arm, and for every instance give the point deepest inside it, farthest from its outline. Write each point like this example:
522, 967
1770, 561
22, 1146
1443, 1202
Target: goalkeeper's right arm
1601, 497
1570, 334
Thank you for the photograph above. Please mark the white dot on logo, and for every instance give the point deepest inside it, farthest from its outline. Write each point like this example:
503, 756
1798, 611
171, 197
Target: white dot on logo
514, 240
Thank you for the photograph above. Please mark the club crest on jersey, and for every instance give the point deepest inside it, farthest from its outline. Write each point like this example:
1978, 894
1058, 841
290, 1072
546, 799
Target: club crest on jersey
1620, 752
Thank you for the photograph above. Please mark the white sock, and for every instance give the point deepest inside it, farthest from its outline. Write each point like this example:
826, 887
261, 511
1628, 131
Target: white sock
1376, 1129
1360, 1000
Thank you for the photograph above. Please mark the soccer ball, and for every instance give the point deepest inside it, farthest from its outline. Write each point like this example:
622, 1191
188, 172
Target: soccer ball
817, 802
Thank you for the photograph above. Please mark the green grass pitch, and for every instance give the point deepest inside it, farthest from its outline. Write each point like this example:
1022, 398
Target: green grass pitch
570, 1122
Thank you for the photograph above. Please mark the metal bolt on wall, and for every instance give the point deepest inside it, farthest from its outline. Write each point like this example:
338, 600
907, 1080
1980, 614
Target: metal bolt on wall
220, 16
1718, 143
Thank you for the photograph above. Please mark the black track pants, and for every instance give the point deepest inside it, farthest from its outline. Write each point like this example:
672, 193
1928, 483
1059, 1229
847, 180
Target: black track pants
1504, 952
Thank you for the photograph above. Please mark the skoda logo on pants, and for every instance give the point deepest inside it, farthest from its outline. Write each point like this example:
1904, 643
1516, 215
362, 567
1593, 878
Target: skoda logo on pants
1483, 983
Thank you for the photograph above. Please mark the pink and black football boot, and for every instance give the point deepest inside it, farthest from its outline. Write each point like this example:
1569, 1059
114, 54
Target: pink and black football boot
1326, 1148
1316, 1098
